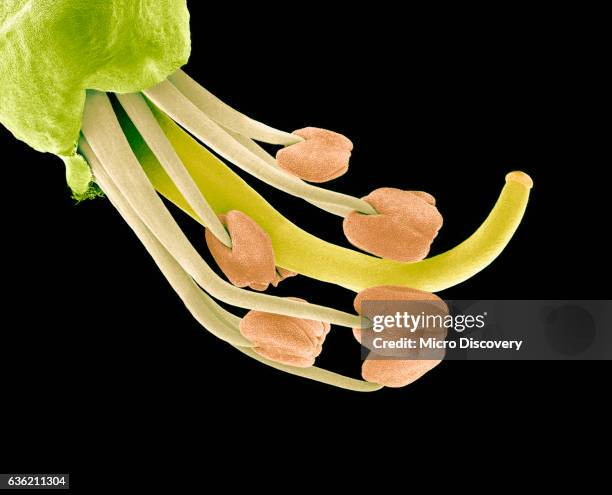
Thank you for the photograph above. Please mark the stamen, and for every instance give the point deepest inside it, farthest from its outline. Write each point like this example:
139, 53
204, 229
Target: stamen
102, 131
318, 374
404, 228
244, 129
171, 101
205, 310
199, 304
226, 116
293, 341
323, 156
299, 251
250, 261
396, 372
140, 114
253, 147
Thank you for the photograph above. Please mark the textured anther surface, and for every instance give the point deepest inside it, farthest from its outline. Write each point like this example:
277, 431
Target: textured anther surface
285, 339
404, 228
388, 295
395, 372
250, 260
322, 156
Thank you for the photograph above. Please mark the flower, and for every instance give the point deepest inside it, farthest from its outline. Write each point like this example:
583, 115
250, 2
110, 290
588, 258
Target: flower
119, 111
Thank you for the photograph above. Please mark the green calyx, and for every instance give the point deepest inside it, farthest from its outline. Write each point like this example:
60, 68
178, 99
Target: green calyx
51, 51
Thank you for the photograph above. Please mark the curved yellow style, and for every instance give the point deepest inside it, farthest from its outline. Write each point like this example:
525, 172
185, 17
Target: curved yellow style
302, 252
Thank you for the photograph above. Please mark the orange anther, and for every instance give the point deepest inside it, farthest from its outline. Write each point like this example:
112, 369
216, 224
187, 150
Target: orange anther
391, 366
282, 274
395, 372
285, 339
391, 300
322, 156
404, 228
250, 260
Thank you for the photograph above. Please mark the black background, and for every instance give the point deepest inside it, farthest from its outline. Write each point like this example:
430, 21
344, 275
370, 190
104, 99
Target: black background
100, 360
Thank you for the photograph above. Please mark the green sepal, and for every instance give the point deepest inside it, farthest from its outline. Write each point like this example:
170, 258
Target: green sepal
51, 51
80, 179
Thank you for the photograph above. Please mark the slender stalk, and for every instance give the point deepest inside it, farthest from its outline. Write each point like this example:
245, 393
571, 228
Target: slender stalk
171, 101
197, 302
302, 252
317, 374
140, 114
257, 150
102, 131
226, 116
205, 310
